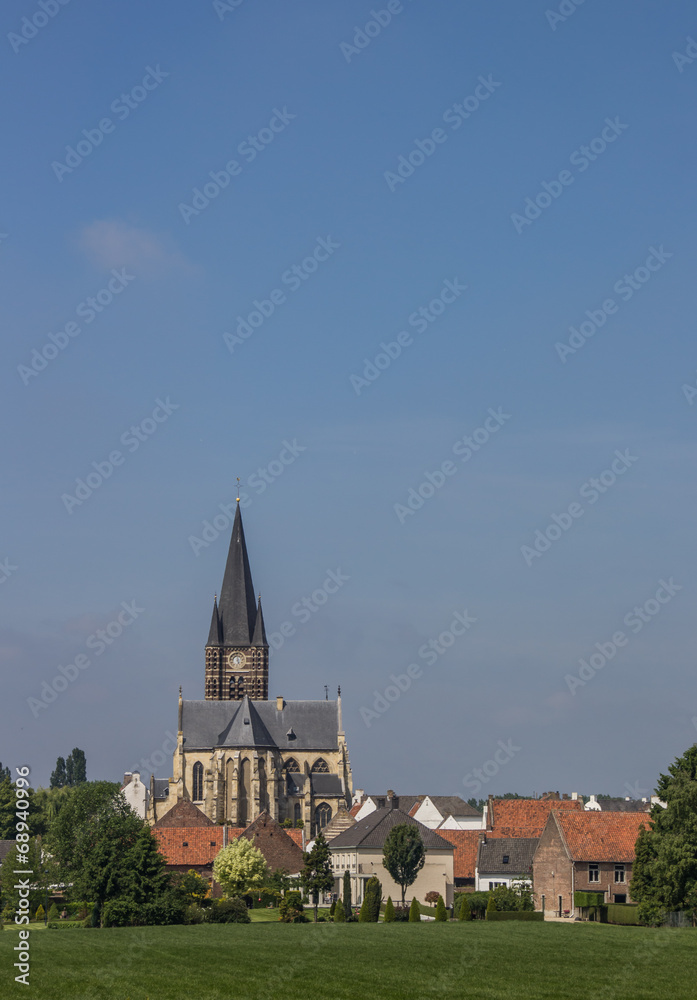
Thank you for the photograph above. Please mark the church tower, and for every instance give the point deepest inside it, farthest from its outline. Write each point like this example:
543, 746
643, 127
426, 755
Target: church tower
237, 653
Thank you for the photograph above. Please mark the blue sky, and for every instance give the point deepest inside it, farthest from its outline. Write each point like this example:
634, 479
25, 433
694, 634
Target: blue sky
336, 102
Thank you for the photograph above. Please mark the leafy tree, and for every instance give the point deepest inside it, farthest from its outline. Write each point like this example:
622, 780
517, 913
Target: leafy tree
9, 810
48, 802
339, 913
404, 854
464, 912
370, 908
59, 776
42, 873
240, 868
40, 914
76, 767
441, 912
414, 912
192, 887
477, 902
511, 898
230, 911
348, 905
317, 874
665, 867
388, 916
278, 881
291, 909
432, 897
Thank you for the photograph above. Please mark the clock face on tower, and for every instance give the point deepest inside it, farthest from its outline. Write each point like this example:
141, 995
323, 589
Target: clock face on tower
236, 660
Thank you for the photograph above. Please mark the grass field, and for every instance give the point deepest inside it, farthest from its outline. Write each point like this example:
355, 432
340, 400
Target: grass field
266, 961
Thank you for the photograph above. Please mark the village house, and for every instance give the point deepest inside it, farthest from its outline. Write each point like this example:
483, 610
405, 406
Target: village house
447, 812
585, 851
503, 861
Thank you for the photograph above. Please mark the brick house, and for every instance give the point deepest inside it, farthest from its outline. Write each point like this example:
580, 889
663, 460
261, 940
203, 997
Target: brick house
524, 817
585, 851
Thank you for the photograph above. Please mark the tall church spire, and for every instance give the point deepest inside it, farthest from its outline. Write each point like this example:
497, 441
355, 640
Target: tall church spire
237, 606
259, 637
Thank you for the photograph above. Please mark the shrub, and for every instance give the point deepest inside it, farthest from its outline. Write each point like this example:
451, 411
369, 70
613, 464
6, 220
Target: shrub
347, 892
53, 912
414, 911
230, 911
388, 917
195, 914
478, 902
40, 912
332, 908
401, 914
515, 915
291, 909
370, 909
432, 897
339, 913
622, 913
461, 907
441, 913
491, 908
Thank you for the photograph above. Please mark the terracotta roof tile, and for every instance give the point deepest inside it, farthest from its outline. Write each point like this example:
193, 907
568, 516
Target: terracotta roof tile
601, 836
202, 844
465, 843
527, 817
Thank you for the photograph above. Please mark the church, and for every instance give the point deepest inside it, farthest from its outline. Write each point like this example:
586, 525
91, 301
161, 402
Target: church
239, 754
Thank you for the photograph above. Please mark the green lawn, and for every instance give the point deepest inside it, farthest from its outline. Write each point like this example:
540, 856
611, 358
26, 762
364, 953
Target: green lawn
476, 960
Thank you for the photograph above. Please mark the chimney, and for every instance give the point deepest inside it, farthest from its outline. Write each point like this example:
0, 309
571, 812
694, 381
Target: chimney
127, 778
574, 796
390, 799
280, 703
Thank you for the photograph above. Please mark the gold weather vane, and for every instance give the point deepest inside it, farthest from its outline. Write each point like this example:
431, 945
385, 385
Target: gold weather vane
238, 489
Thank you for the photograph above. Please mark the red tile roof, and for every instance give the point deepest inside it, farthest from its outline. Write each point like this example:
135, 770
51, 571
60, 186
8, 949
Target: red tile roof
465, 854
526, 817
297, 836
601, 836
202, 843
356, 807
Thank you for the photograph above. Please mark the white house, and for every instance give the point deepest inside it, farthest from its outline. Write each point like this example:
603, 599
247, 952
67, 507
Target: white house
135, 793
448, 812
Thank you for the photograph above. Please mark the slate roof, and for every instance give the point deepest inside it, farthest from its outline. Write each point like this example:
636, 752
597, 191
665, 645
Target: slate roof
601, 836
373, 830
327, 785
453, 805
623, 805
518, 850
237, 608
526, 817
208, 724
161, 788
465, 843
5, 848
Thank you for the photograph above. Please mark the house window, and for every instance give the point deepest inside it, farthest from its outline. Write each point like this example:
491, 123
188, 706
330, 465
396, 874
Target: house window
495, 885
620, 897
619, 873
198, 782
593, 873
505, 859
320, 766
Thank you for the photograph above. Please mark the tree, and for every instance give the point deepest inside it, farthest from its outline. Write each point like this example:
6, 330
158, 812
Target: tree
517, 896
339, 913
291, 909
464, 912
404, 854
665, 867
317, 874
388, 916
5, 773
76, 767
48, 802
414, 912
191, 886
348, 905
31, 861
10, 810
240, 868
370, 909
490, 906
441, 912
59, 776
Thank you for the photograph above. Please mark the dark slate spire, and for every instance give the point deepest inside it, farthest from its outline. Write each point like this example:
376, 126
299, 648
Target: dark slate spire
214, 636
238, 609
259, 638
246, 729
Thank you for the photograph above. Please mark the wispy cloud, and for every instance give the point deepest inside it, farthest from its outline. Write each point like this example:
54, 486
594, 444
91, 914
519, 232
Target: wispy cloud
112, 243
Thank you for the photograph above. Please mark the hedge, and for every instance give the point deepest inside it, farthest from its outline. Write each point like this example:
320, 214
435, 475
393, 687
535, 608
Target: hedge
620, 913
589, 898
515, 915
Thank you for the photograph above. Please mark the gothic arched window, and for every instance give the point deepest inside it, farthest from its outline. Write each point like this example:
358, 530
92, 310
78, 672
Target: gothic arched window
323, 813
292, 766
320, 766
198, 782
297, 812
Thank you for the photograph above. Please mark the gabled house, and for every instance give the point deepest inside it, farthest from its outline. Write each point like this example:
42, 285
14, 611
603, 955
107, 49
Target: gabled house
465, 844
585, 851
358, 850
503, 860
524, 817
447, 812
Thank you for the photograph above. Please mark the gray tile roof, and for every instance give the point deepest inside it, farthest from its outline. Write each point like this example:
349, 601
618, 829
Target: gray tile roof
373, 830
453, 805
161, 788
518, 850
622, 805
246, 729
327, 784
208, 724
